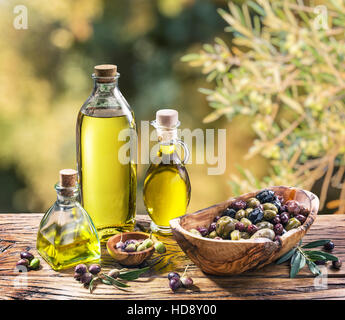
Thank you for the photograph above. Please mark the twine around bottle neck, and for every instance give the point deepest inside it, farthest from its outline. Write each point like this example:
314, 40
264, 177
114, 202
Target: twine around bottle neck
166, 135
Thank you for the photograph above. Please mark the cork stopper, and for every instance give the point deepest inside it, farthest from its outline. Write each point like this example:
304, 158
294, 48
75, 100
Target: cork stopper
107, 71
167, 118
68, 178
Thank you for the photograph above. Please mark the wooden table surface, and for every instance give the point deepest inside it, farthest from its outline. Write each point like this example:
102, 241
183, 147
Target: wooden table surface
18, 232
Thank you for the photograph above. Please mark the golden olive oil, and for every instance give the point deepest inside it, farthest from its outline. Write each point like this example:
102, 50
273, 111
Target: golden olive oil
166, 188
66, 235
108, 187
64, 247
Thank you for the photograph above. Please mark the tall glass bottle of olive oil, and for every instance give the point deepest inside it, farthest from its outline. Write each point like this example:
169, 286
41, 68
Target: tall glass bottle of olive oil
167, 187
107, 177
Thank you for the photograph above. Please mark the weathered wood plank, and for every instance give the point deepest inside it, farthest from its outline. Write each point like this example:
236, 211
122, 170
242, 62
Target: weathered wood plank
18, 232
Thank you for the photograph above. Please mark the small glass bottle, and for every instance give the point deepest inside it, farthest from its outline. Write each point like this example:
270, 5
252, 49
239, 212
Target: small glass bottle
66, 235
107, 175
167, 187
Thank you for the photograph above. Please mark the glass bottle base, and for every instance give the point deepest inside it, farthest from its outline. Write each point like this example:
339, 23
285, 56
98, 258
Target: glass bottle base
160, 229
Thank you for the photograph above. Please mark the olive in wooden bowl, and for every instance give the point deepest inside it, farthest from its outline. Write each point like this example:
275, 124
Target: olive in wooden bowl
131, 240
221, 241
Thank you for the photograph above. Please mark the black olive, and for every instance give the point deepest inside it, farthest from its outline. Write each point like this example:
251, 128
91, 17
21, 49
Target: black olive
256, 215
278, 204
265, 196
229, 212
329, 246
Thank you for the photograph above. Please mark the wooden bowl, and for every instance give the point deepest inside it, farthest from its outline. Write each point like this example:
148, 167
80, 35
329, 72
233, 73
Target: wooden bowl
129, 258
226, 257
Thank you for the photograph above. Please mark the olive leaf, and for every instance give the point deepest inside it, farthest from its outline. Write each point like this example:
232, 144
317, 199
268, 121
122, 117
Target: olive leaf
286, 256
118, 284
107, 282
297, 263
299, 257
91, 284
132, 274
327, 256
315, 244
316, 257
124, 274
313, 268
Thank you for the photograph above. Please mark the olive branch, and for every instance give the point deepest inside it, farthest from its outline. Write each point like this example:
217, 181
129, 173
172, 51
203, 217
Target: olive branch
299, 257
287, 77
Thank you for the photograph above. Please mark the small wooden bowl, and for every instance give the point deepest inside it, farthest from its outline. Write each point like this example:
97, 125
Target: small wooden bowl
129, 258
226, 257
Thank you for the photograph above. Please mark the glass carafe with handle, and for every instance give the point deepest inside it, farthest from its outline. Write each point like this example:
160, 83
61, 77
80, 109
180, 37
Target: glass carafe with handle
167, 186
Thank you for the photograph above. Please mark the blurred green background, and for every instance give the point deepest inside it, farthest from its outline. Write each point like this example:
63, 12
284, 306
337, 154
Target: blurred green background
45, 78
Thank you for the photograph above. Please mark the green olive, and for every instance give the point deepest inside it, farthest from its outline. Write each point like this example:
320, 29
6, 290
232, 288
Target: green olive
246, 222
244, 235
248, 211
160, 247
264, 233
235, 235
270, 206
269, 214
292, 224
212, 234
264, 224
34, 264
253, 203
141, 247
131, 247
114, 273
196, 232
240, 214
224, 226
148, 243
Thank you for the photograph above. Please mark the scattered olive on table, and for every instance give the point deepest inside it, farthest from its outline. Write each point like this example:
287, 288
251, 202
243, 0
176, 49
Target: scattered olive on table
85, 274
95, 269
86, 278
34, 264
176, 281
329, 246
173, 275
266, 215
160, 247
27, 255
77, 276
23, 262
114, 273
187, 282
80, 269
27, 261
336, 264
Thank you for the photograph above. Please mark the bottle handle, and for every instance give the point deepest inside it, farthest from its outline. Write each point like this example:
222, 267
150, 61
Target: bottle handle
185, 150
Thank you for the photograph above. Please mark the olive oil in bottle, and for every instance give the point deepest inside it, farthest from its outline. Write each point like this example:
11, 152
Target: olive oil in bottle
66, 234
166, 187
108, 181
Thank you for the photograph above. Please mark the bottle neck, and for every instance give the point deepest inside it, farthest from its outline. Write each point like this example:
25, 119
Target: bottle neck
167, 148
66, 196
105, 86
